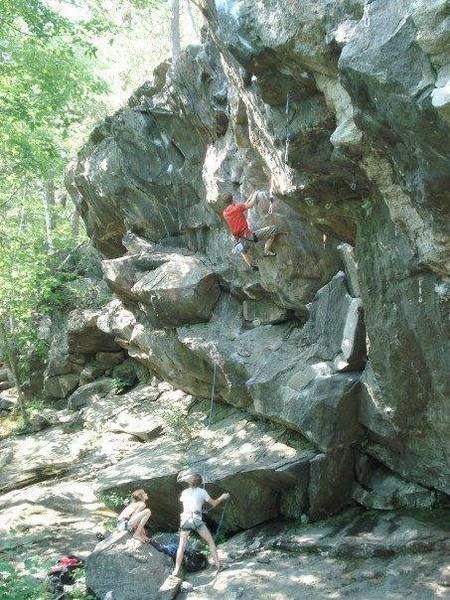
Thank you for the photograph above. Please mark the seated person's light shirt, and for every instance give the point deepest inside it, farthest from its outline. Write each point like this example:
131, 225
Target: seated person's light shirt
193, 499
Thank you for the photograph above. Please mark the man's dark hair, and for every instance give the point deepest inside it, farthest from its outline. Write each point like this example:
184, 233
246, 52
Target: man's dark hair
228, 199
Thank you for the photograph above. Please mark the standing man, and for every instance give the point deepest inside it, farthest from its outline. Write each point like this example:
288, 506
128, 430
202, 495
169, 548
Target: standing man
235, 216
191, 519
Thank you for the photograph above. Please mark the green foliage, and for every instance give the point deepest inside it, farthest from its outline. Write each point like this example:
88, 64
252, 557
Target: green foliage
52, 90
45, 80
27, 584
120, 385
113, 500
175, 419
27, 280
78, 591
15, 585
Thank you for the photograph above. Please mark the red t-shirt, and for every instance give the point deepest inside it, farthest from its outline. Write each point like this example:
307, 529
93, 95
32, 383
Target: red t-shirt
235, 217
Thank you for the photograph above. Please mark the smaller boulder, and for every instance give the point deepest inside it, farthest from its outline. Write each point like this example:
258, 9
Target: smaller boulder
83, 335
331, 481
384, 490
90, 373
6, 379
5, 374
129, 569
8, 400
90, 393
117, 321
61, 385
42, 420
264, 312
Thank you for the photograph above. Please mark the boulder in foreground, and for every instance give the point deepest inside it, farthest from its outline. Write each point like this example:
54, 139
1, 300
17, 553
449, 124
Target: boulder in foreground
128, 569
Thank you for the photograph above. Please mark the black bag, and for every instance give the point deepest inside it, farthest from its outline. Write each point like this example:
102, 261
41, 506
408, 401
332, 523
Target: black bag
61, 575
193, 561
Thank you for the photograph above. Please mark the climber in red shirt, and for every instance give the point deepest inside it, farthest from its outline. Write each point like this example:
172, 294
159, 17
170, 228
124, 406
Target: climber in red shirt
235, 216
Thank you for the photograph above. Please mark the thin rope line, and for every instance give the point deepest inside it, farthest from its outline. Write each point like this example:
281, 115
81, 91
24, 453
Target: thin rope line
213, 391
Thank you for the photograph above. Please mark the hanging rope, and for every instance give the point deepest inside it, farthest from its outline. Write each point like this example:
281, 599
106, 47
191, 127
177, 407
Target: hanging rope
219, 526
213, 397
286, 150
213, 391
270, 209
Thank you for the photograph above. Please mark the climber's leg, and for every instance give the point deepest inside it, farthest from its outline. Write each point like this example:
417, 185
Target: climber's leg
268, 246
184, 536
206, 535
137, 522
268, 235
248, 260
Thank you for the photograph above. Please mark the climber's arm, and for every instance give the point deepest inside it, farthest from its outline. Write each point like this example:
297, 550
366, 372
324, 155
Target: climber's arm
251, 203
217, 501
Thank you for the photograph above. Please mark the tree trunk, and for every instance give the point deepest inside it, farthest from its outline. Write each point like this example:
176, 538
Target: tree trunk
48, 200
75, 223
6, 338
175, 30
194, 26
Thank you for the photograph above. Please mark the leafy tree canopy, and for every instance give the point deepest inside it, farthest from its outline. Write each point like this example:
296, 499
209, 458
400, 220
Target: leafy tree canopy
46, 77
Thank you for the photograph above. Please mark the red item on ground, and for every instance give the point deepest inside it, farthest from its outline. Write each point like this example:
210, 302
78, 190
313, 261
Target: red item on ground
66, 562
235, 217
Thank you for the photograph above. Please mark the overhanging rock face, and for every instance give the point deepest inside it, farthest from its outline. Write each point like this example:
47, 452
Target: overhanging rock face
354, 147
266, 475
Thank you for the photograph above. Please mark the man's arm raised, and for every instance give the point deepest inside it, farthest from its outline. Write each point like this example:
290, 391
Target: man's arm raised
217, 501
253, 198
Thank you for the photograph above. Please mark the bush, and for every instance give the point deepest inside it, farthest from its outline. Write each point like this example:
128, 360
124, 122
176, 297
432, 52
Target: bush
21, 586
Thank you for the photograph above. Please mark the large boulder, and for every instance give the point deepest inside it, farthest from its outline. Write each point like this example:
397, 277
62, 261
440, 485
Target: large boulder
235, 454
116, 321
351, 139
180, 291
127, 568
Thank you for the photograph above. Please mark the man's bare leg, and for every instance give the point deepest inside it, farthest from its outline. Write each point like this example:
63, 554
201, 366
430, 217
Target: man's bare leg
138, 522
206, 535
268, 246
248, 260
184, 536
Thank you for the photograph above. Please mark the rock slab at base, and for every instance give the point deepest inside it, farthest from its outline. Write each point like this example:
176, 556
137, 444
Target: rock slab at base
131, 570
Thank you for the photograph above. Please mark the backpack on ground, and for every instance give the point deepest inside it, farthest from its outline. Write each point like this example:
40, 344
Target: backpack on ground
61, 574
193, 561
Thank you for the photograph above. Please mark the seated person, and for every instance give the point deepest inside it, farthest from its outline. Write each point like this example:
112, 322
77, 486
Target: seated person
134, 516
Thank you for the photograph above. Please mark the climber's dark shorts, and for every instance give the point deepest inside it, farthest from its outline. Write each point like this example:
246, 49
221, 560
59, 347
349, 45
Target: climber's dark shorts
192, 522
259, 235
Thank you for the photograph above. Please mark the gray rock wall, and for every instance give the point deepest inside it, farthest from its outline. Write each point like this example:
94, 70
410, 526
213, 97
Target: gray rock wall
338, 107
